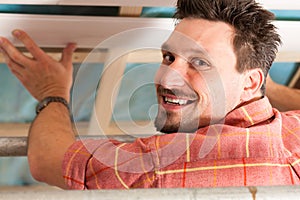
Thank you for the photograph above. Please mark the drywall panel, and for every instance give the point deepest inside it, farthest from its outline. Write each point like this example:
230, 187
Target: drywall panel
270, 4
229, 193
151, 3
87, 32
280, 4
290, 48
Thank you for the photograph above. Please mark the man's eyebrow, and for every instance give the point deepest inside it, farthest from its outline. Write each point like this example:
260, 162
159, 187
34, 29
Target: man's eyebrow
166, 47
186, 52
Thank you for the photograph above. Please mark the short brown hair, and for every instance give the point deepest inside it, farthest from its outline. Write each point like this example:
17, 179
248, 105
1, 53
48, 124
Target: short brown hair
256, 40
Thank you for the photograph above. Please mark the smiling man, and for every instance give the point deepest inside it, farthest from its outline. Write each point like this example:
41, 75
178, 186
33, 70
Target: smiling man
198, 73
222, 130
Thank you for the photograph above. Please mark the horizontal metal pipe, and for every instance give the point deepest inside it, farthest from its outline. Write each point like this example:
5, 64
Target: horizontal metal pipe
17, 146
13, 146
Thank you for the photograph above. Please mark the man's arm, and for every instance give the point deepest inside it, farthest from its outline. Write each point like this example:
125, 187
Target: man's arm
282, 97
51, 132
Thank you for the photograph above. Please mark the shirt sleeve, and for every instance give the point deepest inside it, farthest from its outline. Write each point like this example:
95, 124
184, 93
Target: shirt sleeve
74, 165
76, 160
105, 163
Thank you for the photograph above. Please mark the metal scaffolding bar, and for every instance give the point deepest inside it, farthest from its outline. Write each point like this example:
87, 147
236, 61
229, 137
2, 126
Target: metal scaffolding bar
13, 146
17, 146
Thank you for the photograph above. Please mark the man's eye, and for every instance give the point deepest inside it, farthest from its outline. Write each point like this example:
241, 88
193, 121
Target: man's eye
200, 64
168, 58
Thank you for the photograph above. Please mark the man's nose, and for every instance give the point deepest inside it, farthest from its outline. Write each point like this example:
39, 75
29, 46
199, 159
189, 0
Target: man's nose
169, 76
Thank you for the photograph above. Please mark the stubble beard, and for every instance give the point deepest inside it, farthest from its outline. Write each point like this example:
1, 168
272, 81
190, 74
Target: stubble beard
170, 122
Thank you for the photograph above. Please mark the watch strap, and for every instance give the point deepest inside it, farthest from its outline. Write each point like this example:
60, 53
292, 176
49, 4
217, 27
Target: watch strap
46, 101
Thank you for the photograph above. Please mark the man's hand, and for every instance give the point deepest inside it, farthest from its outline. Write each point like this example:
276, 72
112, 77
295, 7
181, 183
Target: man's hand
41, 75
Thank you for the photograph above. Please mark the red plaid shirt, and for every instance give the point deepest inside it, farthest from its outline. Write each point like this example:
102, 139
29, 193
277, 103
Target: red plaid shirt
256, 145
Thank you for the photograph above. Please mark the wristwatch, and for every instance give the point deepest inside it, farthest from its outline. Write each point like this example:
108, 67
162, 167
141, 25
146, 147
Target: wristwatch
45, 102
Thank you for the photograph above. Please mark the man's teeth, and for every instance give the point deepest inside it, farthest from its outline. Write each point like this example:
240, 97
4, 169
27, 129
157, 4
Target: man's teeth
175, 101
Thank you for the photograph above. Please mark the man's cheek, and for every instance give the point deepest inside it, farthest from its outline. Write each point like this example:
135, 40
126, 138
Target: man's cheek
159, 74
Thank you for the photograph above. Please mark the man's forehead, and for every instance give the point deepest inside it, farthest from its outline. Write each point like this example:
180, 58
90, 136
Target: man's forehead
208, 39
182, 44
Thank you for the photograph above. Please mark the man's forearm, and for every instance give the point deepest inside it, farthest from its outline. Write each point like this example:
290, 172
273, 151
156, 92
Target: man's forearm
284, 98
50, 136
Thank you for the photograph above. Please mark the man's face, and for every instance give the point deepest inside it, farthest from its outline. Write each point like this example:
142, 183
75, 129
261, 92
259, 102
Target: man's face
197, 83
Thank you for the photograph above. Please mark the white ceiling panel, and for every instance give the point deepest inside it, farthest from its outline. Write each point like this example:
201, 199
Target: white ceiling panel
269, 4
152, 3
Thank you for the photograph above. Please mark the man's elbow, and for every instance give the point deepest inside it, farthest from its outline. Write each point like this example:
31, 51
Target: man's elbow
36, 167
46, 170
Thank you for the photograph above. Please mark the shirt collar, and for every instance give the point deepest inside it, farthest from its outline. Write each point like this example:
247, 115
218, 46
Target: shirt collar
250, 114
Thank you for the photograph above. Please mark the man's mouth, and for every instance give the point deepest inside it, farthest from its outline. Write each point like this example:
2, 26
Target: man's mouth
175, 98
180, 102
176, 101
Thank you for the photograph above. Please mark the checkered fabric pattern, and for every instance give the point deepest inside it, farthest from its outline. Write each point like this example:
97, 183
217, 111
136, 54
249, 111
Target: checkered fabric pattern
254, 145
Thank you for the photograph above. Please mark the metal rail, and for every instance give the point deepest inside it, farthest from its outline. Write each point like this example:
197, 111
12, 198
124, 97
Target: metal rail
17, 146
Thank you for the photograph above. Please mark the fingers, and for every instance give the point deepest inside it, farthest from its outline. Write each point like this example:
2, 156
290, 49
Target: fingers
13, 53
16, 58
30, 45
67, 54
15, 68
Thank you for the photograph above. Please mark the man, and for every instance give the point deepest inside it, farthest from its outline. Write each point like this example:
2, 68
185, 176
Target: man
210, 90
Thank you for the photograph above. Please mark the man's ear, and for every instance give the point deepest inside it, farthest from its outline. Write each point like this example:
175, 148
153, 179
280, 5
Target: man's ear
253, 82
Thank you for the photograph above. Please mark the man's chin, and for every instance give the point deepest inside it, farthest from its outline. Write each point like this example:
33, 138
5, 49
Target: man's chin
169, 129
166, 130
163, 128
170, 123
